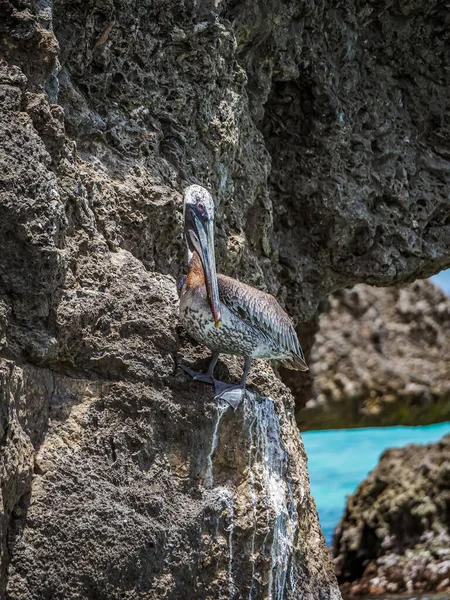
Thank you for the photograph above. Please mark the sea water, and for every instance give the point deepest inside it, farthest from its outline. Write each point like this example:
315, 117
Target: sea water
338, 461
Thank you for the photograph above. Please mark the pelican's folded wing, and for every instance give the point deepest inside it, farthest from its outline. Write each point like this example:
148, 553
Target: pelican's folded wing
261, 310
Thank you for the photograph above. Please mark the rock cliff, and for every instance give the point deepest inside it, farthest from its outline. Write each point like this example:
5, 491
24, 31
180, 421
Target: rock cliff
322, 133
394, 535
381, 357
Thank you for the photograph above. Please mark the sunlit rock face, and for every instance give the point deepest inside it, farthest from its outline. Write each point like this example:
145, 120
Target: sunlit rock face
328, 162
168, 494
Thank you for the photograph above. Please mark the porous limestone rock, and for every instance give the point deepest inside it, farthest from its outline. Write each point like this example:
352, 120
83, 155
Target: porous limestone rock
321, 133
394, 535
381, 357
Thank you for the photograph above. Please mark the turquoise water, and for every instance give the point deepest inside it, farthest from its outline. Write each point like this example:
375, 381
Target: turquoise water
338, 460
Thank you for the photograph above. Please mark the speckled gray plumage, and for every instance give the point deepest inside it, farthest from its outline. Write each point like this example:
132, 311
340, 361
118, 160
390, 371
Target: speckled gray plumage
262, 312
253, 323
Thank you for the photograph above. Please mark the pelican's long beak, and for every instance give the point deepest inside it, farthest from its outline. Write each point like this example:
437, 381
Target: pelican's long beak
205, 232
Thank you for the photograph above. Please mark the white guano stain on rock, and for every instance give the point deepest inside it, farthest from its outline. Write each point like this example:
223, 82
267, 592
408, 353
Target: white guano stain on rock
271, 499
271, 465
222, 408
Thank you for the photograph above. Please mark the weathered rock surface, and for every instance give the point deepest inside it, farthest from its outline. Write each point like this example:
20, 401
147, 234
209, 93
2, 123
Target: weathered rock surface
147, 493
381, 357
394, 536
322, 133
126, 481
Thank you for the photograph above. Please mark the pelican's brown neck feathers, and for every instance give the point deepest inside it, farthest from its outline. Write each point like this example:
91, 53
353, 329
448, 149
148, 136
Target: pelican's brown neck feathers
196, 274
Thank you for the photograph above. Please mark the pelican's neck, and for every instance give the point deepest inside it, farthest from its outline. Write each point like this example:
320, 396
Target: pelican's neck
196, 274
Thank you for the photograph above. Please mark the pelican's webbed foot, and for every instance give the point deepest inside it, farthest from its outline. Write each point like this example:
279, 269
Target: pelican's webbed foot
233, 394
198, 375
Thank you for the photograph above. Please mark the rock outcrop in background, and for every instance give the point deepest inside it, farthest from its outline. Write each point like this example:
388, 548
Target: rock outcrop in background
381, 357
322, 133
394, 535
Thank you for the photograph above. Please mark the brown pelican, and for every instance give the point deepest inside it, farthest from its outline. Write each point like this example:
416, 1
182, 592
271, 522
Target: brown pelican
224, 314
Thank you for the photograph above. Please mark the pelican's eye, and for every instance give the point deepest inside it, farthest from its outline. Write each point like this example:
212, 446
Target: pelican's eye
200, 206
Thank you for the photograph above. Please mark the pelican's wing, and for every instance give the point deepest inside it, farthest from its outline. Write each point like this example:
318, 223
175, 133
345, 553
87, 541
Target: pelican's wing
261, 310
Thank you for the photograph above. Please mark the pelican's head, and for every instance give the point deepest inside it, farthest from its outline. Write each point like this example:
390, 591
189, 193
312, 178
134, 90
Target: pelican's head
199, 232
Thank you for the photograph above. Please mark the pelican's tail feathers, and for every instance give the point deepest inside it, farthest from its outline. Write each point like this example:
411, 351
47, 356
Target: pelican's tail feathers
296, 363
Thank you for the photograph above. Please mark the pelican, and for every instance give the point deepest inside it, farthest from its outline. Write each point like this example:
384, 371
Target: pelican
226, 315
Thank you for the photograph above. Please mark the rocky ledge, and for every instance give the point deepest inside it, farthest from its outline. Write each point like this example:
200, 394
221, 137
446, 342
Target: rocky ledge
394, 536
381, 357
